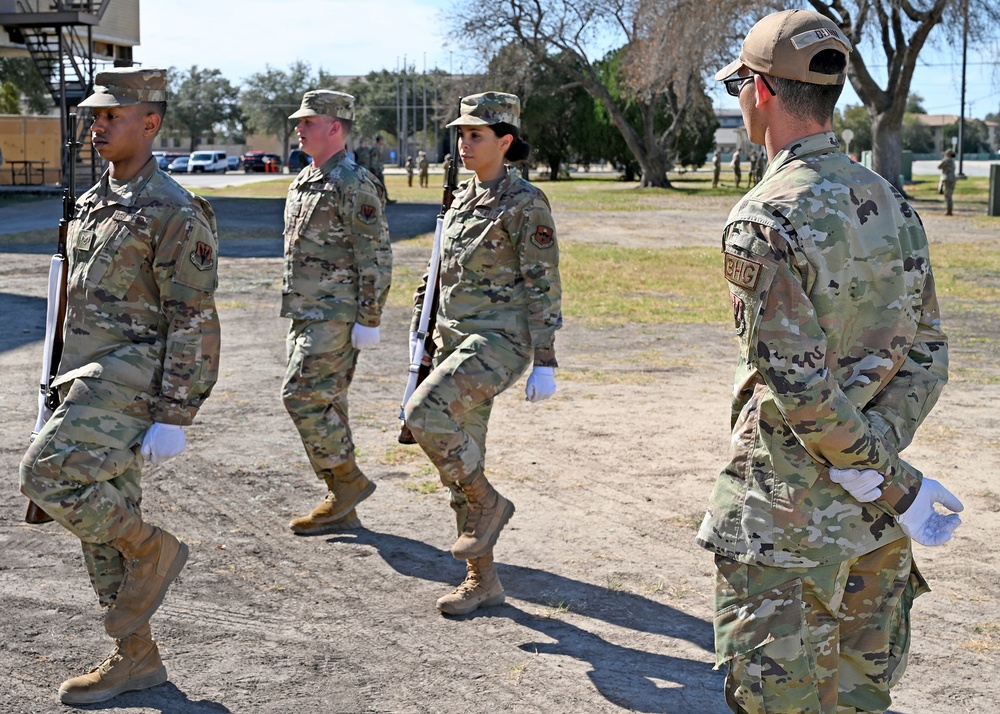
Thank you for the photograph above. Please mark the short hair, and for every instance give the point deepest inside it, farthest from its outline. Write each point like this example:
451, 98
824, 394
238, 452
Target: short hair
157, 108
814, 101
345, 125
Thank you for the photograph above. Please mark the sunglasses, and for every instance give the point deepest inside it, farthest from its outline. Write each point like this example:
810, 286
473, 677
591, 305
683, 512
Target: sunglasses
734, 85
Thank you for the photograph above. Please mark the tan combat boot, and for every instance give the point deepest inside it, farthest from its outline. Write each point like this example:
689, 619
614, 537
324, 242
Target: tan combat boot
481, 588
153, 559
488, 513
335, 511
135, 664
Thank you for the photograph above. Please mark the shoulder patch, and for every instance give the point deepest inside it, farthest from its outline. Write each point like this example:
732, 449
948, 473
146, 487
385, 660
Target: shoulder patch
742, 272
202, 255
367, 213
543, 237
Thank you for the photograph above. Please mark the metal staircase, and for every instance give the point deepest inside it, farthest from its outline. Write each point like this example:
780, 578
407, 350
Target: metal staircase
58, 35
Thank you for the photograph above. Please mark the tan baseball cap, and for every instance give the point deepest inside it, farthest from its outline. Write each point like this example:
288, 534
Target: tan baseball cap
326, 102
489, 108
783, 45
125, 86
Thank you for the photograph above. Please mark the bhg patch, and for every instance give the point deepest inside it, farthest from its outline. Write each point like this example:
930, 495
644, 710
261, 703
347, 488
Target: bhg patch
203, 256
367, 214
544, 237
741, 272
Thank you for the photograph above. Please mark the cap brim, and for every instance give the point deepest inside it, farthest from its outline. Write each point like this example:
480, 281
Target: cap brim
106, 100
304, 113
729, 70
469, 121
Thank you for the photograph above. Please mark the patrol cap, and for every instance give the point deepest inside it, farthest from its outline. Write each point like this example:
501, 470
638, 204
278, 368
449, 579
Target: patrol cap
126, 86
489, 108
784, 43
326, 103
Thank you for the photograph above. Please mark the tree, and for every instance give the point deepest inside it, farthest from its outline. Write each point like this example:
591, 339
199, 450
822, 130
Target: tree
22, 74
917, 136
854, 117
269, 97
901, 28
10, 98
203, 102
668, 46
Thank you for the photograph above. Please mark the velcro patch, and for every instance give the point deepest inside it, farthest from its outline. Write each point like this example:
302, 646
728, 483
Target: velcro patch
203, 256
120, 216
739, 314
367, 213
543, 237
811, 37
742, 272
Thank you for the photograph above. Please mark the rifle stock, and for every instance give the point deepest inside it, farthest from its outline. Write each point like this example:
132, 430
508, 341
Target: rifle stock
419, 366
55, 313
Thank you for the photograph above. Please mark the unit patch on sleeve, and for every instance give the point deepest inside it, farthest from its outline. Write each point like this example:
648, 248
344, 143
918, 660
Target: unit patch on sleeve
543, 237
742, 272
203, 256
367, 213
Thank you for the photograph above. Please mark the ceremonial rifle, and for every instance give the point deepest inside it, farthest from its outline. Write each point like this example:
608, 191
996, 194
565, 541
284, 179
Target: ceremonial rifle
423, 348
55, 313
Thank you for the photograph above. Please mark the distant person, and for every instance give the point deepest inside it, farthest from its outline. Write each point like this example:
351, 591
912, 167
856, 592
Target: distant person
338, 266
752, 169
946, 185
376, 163
363, 154
737, 169
716, 167
409, 170
423, 165
141, 356
812, 521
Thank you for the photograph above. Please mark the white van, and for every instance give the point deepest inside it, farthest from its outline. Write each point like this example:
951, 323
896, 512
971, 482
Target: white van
207, 161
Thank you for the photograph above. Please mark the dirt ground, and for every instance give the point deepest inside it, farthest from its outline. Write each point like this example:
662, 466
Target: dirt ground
609, 600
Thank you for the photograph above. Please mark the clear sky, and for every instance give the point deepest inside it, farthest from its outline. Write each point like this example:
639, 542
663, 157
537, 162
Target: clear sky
354, 37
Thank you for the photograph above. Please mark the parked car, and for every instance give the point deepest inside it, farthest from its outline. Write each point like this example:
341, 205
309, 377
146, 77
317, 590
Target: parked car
297, 160
178, 165
207, 161
165, 158
260, 162
234, 162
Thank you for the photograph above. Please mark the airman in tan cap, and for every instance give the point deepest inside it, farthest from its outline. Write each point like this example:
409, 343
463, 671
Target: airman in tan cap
813, 516
141, 355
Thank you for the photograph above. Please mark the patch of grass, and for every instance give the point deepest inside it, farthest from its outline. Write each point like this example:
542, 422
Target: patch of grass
277, 188
397, 455
613, 585
988, 640
424, 487
970, 190
610, 285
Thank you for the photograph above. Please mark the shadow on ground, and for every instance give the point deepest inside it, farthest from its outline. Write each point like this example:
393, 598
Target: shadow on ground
625, 676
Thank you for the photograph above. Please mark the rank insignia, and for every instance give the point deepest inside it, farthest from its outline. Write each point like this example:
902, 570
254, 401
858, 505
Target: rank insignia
543, 237
367, 213
203, 256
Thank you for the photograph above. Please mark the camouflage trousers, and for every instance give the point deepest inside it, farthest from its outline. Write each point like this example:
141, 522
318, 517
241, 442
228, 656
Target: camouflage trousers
449, 412
83, 470
823, 640
321, 364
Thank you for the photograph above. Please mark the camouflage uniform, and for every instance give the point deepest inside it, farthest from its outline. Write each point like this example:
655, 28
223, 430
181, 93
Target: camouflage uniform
142, 345
409, 171
947, 183
338, 265
737, 170
716, 167
499, 308
424, 166
841, 358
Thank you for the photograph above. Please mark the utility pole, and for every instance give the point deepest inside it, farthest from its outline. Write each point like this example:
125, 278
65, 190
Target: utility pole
424, 141
961, 117
403, 132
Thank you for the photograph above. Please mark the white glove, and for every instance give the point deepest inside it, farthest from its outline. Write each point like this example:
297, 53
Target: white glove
924, 524
163, 442
541, 384
863, 485
363, 337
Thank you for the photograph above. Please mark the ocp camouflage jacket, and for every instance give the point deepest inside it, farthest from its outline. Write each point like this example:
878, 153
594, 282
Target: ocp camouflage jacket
841, 358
